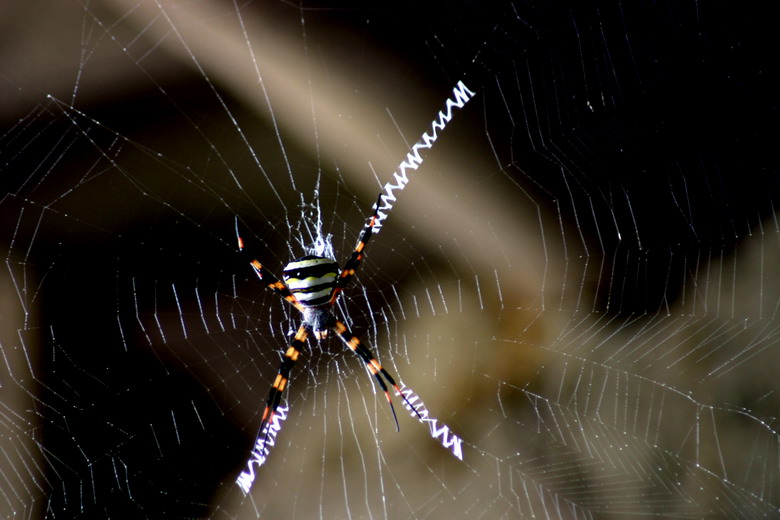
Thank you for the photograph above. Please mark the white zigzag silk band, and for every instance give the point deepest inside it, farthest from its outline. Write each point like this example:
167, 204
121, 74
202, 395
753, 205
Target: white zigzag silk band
460, 96
439, 431
266, 440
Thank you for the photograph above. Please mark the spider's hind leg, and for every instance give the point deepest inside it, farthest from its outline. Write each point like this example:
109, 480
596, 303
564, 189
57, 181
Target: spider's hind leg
353, 263
266, 276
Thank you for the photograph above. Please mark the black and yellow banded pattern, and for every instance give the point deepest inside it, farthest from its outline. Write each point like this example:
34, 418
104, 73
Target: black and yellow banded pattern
311, 279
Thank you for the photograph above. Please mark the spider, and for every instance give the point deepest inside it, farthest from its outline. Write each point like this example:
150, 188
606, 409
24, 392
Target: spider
312, 284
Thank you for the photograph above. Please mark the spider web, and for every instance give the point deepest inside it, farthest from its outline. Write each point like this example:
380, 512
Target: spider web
580, 279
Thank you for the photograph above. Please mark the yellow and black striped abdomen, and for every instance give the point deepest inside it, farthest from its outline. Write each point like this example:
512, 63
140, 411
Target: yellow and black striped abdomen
311, 279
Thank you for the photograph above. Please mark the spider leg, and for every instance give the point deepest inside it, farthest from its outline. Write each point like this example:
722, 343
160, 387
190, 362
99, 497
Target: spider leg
354, 343
357, 255
267, 277
282, 376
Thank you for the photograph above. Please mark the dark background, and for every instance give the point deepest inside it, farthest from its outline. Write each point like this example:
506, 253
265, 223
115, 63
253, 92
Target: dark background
645, 131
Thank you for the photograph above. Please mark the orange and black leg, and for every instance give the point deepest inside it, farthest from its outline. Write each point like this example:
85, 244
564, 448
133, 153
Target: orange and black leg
267, 277
354, 343
283, 376
351, 266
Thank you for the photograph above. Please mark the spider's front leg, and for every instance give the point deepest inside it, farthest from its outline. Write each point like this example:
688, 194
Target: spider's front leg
354, 344
283, 376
